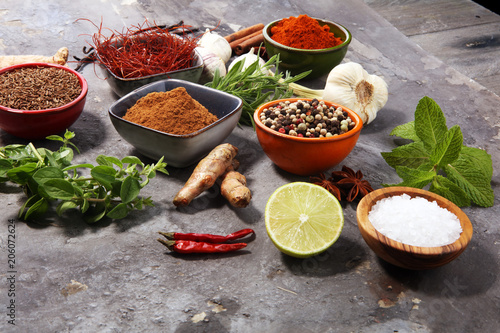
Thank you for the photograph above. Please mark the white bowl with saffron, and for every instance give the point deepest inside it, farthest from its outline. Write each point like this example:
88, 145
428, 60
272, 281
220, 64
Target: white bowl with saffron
403, 254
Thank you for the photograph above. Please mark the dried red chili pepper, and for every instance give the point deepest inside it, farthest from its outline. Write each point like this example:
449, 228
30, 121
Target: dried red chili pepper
188, 246
207, 237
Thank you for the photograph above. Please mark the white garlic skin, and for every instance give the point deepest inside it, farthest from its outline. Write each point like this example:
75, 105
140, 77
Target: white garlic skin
211, 62
216, 44
249, 59
350, 85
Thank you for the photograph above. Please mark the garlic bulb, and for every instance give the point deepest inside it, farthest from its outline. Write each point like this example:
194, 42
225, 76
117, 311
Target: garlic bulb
211, 62
249, 59
216, 44
350, 85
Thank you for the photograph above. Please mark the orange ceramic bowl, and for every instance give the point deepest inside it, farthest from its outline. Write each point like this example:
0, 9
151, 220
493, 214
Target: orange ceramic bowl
306, 156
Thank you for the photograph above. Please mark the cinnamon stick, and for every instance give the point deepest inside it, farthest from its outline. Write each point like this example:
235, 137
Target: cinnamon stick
246, 45
238, 41
244, 32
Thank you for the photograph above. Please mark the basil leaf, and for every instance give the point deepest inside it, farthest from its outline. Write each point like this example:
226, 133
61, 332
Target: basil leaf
132, 160
57, 189
430, 122
22, 174
44, 174
76, 166
38, 208
64, 206
5, 166
118, 212
95, 213
109, 161
104, 174
129, 190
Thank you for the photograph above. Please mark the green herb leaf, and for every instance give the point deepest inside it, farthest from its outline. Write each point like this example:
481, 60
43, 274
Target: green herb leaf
120, 211
471, 173
132, 160
449, 190
255, 85
448, 149
22, 174
129, 189
64, 206
104, 174
406, 131
413, 177
430, 123
37, 209
49, 176
50, 172
436, 150
411, 155
58, 189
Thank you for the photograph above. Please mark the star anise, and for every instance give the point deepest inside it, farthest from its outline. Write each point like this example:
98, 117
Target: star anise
327, 184
351, 183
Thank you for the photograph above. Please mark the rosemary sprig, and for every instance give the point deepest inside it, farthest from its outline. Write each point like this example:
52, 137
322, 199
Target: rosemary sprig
255, 85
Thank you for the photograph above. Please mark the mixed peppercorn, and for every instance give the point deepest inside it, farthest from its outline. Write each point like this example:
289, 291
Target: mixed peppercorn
312, 119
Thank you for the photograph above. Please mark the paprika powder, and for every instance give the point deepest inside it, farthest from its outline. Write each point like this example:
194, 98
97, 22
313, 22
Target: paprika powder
304, 32
173, 112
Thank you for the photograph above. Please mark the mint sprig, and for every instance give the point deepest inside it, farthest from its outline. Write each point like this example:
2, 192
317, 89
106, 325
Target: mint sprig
109, 189
437, 156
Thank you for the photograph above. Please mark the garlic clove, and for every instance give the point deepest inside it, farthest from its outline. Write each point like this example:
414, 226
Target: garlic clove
216, 44
350, 85
211, 62
248, 58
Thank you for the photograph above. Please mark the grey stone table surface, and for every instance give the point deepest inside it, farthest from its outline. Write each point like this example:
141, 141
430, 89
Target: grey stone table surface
128, 282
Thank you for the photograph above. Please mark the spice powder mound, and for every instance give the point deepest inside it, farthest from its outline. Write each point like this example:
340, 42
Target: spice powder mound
173, 112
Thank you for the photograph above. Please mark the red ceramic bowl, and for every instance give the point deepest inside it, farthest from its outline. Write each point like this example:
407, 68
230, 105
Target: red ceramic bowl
38, 124
306, 156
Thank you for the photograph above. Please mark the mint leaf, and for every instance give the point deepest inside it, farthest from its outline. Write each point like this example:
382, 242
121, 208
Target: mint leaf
451, 191
430, 122
413, 177
447, 150
406, 131
471, 173
411, 155
481, 159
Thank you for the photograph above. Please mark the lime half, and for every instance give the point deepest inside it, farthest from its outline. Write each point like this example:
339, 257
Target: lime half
303, 219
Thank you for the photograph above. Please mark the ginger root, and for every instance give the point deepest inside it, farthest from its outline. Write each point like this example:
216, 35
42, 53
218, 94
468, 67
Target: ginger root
206, 173
233, 188
60, 58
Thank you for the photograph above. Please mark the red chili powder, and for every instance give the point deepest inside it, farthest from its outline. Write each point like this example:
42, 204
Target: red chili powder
304, 32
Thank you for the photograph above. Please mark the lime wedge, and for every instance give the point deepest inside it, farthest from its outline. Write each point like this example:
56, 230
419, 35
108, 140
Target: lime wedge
303, 219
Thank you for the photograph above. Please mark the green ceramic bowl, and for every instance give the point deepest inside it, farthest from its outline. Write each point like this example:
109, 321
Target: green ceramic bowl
319, 61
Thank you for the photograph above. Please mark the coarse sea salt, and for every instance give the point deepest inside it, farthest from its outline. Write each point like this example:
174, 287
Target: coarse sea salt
415, 221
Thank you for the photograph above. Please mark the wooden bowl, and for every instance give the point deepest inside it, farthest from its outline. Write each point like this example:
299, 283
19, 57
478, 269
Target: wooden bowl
404, 255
